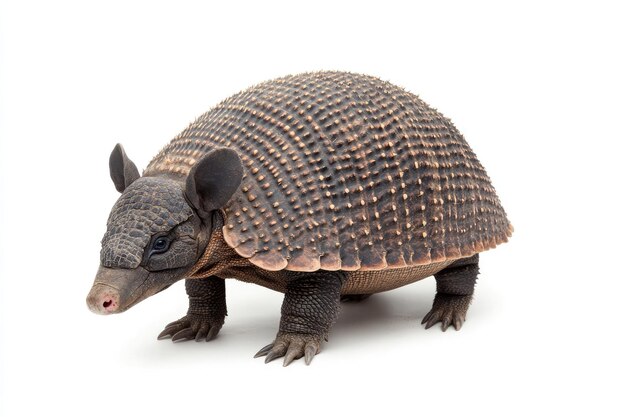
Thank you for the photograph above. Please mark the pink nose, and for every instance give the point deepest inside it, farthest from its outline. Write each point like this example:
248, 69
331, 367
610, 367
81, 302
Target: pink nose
103, 299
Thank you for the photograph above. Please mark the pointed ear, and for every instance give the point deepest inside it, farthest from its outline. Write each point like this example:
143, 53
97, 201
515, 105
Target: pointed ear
213, 180
123, 170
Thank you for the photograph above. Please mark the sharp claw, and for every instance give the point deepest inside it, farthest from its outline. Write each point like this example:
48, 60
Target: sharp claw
309, 352
165, 334
431, 322
427, 316
264, 350
185, 329
271, 356
212, 333
202, 332
445, 323
183, 335
174, 324
292, 347
295, 351
458, 323
290, 356
279, 349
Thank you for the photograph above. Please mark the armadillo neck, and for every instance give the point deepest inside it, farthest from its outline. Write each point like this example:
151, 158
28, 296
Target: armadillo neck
217, 257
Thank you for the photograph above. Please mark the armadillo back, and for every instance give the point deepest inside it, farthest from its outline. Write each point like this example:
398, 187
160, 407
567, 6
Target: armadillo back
344, 171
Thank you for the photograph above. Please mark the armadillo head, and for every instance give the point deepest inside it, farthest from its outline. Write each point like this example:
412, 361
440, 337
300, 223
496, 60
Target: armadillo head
158, 228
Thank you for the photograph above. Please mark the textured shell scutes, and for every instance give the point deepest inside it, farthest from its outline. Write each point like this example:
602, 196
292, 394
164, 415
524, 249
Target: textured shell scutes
344, 171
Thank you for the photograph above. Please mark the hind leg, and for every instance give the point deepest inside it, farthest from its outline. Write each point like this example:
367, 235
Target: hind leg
455, 287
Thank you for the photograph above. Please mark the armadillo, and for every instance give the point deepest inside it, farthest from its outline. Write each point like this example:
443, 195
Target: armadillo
325, 186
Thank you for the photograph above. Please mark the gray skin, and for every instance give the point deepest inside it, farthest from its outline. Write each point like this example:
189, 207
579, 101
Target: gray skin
158, 228
161, 226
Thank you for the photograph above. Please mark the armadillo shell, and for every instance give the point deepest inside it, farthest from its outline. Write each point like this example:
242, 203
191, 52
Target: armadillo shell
344, 171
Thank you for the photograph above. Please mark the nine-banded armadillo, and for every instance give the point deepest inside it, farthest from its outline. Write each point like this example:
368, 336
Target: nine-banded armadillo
320, 185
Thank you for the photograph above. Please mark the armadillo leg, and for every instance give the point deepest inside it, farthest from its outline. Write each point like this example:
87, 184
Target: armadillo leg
206, 313
455, 287
310, 308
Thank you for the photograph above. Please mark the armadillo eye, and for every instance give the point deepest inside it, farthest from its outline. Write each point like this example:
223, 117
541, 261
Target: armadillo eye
160, 245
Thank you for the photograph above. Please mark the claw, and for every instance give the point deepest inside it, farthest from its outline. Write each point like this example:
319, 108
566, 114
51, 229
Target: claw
445, 323
212, 333
449, 310
202, 332
458, 323
431, 322
271, 356
185, 334
427, 317
290, 356
294, 352
264, 350
309, 352
172, 328
279, 349
165, 334
292, 346
196, 328
174, 323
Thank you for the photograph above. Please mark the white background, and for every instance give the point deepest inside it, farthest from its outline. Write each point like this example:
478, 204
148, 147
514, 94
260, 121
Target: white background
537, 89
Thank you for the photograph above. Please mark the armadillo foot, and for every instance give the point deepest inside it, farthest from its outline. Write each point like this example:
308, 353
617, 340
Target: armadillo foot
191, 327
354, 298
292, 346
449, 310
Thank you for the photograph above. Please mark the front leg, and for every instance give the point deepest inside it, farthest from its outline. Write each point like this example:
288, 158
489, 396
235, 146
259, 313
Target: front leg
310, 308
206, 313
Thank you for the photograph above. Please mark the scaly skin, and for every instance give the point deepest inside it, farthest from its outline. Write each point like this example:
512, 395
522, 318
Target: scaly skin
310, 308
206, 314
455, 287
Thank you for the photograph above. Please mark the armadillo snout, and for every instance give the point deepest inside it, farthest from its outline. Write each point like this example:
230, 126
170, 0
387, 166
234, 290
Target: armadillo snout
103, 299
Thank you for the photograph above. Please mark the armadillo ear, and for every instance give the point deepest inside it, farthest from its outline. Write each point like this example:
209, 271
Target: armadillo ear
213, 180
123, 171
